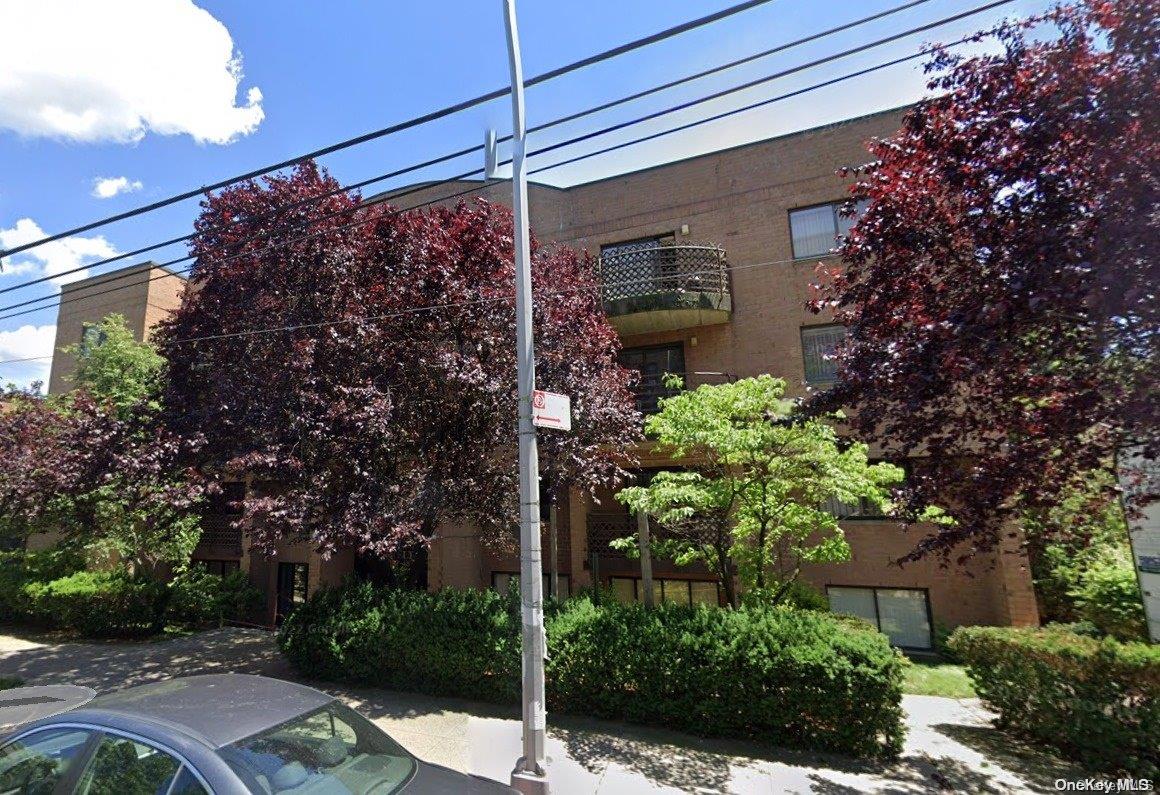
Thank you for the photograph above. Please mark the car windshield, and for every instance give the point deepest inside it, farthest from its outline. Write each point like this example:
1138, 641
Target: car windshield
332, 750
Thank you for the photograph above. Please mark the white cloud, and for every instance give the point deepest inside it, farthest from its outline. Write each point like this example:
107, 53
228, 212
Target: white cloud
108, 187
118, 69
24, 343
51, 258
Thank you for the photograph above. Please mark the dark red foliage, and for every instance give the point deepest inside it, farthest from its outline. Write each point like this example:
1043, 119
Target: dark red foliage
385, 403
1000, 293
61, 464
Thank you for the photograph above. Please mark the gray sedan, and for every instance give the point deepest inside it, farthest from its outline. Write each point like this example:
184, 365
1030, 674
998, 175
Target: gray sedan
222, 734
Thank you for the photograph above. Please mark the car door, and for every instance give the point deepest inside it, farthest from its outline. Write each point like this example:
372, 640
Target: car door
44, 761
122, 765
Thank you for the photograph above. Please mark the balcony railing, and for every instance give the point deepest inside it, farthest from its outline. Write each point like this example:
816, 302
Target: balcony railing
219, 534
689, 284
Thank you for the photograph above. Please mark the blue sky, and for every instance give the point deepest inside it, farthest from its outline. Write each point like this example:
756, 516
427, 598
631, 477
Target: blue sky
150, 104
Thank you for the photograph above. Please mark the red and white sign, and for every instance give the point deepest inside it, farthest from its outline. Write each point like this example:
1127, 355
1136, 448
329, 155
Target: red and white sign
551, 410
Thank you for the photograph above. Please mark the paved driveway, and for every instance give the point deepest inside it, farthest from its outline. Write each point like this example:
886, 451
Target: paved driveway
951, 746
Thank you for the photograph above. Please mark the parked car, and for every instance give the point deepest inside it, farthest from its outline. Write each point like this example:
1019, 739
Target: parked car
219, 734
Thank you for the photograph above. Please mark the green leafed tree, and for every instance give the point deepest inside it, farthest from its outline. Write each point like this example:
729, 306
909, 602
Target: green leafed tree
750, 497
114, 367
97, 466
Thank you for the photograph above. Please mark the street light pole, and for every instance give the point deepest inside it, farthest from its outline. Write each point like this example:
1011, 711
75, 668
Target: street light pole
529, 775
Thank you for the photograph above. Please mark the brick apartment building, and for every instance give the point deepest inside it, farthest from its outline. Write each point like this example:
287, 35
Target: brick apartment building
706, 263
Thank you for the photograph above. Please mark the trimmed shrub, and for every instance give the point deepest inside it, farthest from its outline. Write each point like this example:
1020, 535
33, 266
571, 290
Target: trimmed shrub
1095, 700
202, 599
774, 675
99, 604
21, 568
453, 642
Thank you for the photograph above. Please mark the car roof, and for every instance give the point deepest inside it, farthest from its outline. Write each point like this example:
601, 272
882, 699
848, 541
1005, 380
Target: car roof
217, 709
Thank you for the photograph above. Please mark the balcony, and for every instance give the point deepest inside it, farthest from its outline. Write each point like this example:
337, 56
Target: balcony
665, 287
219, 537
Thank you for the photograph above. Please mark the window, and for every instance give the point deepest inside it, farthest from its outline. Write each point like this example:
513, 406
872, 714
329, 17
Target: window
685, 592
653, 364
293, 584
815, 230
124, 767
818, 344
333, 749
902, 614
864, 508
502, 581
39, 761
92, 337
219, 567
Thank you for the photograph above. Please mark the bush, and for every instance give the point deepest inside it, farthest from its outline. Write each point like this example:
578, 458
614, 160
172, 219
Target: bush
20, 568
98, 604
1095, 700
202, 599
775, 675
798, 595
1109, 597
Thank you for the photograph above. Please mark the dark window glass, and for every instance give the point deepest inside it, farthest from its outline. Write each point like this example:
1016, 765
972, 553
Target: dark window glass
684, 592
818, 344
653, 364
218, 567
333, 749
38, 762
124, 767
504, 581
293, 579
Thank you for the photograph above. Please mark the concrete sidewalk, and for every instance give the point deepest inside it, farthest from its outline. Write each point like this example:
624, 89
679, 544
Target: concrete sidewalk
951, 746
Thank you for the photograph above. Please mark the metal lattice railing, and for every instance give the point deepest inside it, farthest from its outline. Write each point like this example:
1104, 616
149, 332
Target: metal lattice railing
604, 526
663, 269
220, 533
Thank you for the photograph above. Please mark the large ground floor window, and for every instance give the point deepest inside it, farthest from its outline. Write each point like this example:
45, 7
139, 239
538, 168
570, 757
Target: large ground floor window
902, 614
218, 567
685, 592
503, 580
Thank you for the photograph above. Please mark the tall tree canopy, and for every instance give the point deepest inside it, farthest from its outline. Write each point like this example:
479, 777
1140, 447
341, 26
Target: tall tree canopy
365, 363
1000, 291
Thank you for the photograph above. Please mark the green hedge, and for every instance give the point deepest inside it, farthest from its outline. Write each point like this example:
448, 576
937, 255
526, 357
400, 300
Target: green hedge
1095, 700
99, 604
49, 589
776, 676
201, 599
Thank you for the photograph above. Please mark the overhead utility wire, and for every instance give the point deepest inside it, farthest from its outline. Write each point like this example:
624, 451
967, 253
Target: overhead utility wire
399, 127
473, 149
832, 81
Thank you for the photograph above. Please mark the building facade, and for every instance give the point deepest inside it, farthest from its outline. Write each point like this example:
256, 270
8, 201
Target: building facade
705, 265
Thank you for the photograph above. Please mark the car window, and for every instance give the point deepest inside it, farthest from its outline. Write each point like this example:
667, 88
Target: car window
34, 764
123, 767
187, 784
329, 750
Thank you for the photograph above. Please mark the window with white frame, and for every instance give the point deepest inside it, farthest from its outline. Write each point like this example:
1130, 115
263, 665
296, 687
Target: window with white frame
818, 345
902, 614
814, 231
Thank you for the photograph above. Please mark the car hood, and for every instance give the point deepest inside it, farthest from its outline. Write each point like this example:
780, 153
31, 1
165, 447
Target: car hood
430, 779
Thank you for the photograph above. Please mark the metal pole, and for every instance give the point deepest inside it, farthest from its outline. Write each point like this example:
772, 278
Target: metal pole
553, 540
642, 537
529, 775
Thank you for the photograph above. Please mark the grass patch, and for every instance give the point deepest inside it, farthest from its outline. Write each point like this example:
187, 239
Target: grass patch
934, 678
8, 682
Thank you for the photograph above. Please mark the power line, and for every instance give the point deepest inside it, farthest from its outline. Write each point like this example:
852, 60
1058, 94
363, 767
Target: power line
449, 305
398, 127
474, 149
602, 131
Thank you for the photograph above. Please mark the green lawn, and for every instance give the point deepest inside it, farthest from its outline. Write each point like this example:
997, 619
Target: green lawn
930, 678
